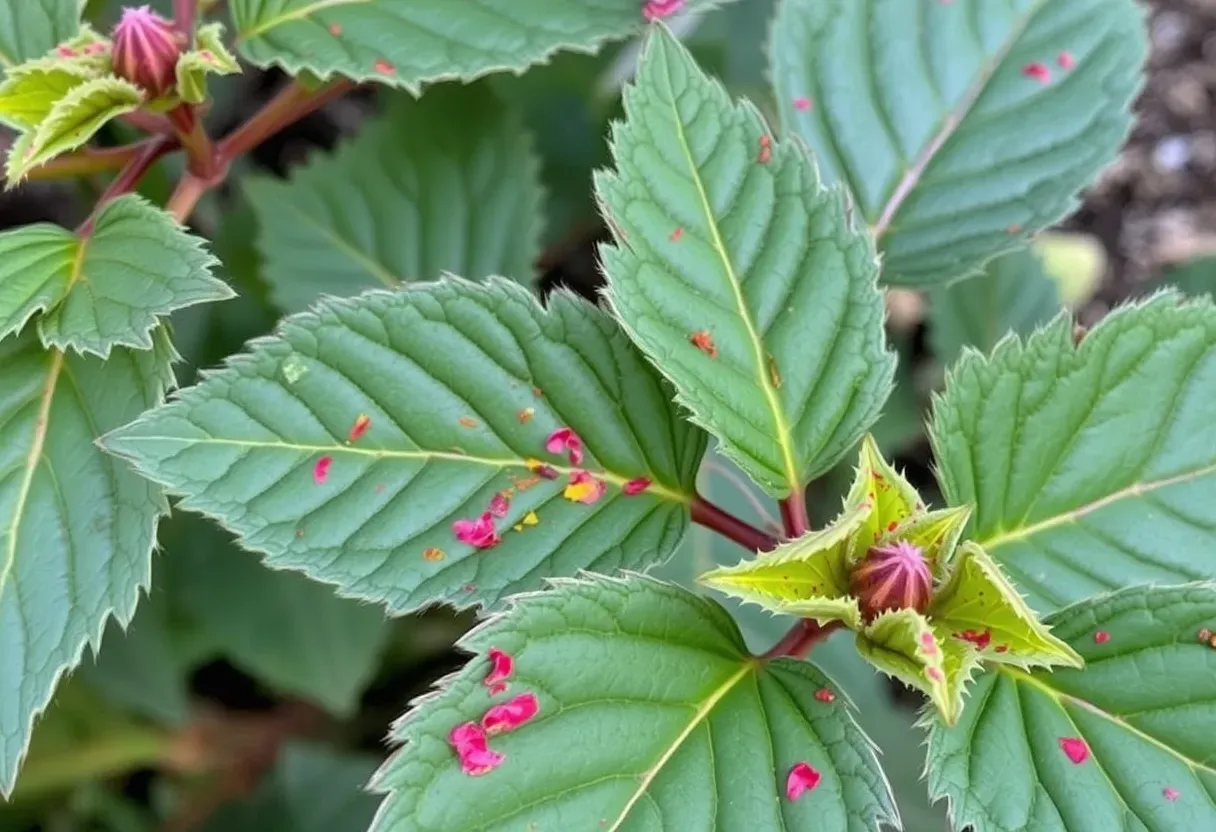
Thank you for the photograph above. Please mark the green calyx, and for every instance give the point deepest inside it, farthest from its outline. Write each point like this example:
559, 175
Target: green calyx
855, 571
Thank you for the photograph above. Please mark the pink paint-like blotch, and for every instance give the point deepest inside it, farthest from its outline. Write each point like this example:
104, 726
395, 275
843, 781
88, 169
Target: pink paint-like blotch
510, 715
1075, 749
980, 640
502, 665
826, 696
1101, 637
802, 103
1038, 71
636, 486
1066, 60
802, 779
928, 644
1170, 793
500, 504
479, 533
585, 488
565, 439
476, 758
320, 471
659, 9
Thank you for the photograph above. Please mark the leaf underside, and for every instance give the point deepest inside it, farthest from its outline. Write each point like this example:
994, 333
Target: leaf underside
462, 384
1090, 467
446, 183
76, 526
31, 28
1144, 706
740, 277
703, 740
953, 150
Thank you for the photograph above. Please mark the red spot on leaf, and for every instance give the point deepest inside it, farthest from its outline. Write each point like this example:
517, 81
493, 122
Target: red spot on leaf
1101, 637
65, 52
636, 486
802, 103
467, 422
335, 29
510, 715
469, 741
1170, 793
893, 525
479, 533
677, 234
766, 150
362, 423
659, 9
702, 340
1002, 648
502, 665
1075, 749
385, 68
95, 48
541, 470
927, 644
825, 695
321, 470
536, 391
802, 779
584, 488
433, 554
980, 640
1038, 71
934, 674
500, 504
1205, 635
565, 439
1066, 60
526, 415
207, 56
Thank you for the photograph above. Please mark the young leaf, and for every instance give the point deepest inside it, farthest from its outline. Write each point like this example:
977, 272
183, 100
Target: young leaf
709, 743
1013, 295
31, 28
1125, 743
108, 287
311, 789
1090, 467
396, 445
958, 127
210, 58
740, 276
29, 93
446, 183
406, 42
294, 633
72, 121
76, 527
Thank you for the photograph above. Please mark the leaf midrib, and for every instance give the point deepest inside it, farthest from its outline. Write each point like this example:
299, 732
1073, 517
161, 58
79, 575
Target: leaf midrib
758, 352
1136, 489
618, 480
295, 14
953, 119
699, 716
41, 428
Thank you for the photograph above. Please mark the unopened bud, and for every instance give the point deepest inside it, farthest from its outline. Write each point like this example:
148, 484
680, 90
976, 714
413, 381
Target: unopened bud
892, 577
146, 49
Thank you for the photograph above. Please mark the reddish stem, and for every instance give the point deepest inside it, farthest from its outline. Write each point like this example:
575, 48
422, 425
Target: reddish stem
183, 18
800, 639
793, 515
148, 122
289, 105
87, 161
729, 526
128, 178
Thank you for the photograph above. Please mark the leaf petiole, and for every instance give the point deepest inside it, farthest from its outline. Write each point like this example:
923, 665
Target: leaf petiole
731, 527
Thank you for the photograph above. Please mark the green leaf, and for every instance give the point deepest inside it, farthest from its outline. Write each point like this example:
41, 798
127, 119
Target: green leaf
902, 644
925, 110
977, 598
725, 238
1090, 467
281, 627
211, 57
463, 384
1013, 295
108, 287
72, 121
76, 527
311, 789
447, 183
1195, 277
1144, 707
31, 28
705, 744
29, 92
406, 42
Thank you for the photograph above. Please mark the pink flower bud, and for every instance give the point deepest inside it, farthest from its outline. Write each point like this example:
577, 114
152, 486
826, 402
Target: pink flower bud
146, 49
892, 577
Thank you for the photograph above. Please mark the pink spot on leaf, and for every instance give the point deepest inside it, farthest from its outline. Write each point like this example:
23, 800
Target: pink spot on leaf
636, 486
934, 674
802, 779
1066, 60
479, 533
510, 715
500, 504
502, 665
584, 488
927, 644
321, 470
676, 235
335, 29
1170, 793
1101, 637
1075, 749
802, 103
469, 741
702, 340
1037, 71
659, 9
980, 640
565, 439
362, 423
385, 68
825, 695
766, 150
65, 52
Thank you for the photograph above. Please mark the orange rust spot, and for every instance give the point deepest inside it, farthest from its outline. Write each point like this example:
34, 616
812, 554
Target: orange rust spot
702, 340
335, 29
385, 68
676, 235
536, 391
526, 415
766, 150
433, 554
468, 422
